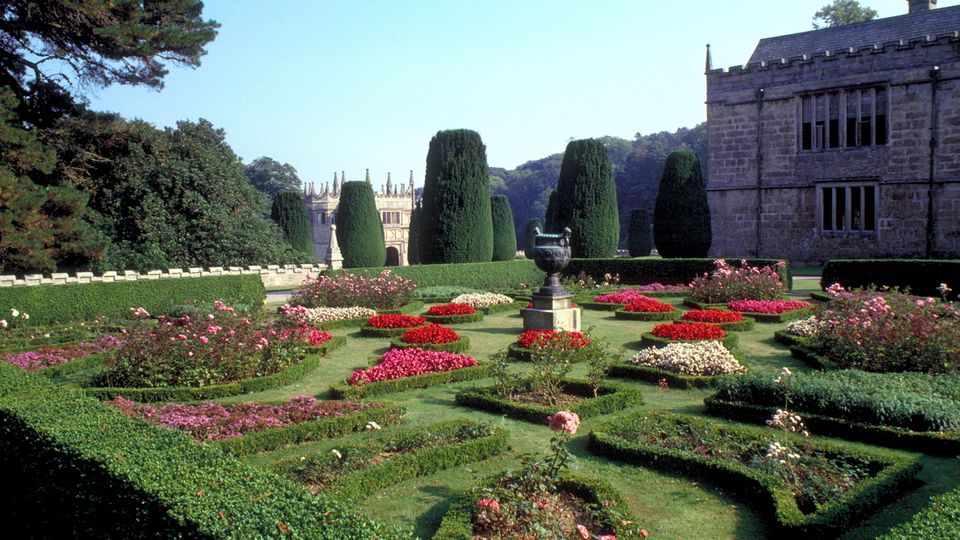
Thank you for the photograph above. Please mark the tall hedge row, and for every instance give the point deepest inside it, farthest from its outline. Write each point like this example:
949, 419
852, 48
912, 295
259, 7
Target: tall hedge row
359, 230
483, 276
504, 231
53, 304
289, 211
413, 238
529, 236
666, 271
922, 277
587, 200
639, 237
457, 223
550, 219
681, 216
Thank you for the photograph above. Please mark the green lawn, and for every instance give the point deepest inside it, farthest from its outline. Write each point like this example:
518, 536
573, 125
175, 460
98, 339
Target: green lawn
668, 506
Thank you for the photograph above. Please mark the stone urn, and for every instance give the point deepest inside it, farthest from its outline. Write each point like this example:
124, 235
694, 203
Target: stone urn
551, 253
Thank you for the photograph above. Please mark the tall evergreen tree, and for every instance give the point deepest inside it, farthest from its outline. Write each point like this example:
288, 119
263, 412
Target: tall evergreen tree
457, 223
289, 211
504, 231
639, 237
528, 238
413, 238
359, 229
587, 200
681, 217
551, 214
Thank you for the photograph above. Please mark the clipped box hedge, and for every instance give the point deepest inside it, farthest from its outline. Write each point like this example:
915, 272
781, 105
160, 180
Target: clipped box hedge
921, 276
804, 349
649, 340
500, 308
778, 318
481, 276
84, 470
457, 346
647, 315
348, 391
938, 521
665, 271
55, 304
629, 370
894, 475
454, 319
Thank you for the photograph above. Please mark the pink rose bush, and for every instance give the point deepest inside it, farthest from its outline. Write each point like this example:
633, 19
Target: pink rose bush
745, 282
381, 291
400, 363
624, 296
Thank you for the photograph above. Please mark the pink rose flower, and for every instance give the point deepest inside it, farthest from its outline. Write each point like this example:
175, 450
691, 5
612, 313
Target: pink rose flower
565, 421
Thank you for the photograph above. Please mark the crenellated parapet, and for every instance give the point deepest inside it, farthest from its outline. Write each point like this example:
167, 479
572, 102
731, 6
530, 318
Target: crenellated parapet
271, 274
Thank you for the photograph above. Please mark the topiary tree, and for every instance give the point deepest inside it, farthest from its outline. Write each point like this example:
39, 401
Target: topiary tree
289, 211
639, 238
457, 223
587, 200
413, 239
551, 214
528, 238
681, 217
504, 231
359, 230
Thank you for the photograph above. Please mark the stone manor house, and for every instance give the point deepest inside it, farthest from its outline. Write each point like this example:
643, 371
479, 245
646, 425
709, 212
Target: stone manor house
394, 202
841, 142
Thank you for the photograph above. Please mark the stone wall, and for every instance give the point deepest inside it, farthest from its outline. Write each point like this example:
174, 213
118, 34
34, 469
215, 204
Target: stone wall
289, 275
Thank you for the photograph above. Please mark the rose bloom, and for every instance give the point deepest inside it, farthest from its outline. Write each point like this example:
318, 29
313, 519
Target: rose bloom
489, 504
565, 421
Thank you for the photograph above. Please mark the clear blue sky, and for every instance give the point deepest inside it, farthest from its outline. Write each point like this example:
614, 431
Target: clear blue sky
331, 85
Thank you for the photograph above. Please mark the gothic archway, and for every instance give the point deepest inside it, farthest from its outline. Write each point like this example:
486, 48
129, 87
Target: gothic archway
393, 256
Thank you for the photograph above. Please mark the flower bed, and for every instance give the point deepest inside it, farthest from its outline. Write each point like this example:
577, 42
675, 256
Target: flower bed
381, 291
354, 471
433, 338
452, 314
49, 356
664, 334
702, 358
808, 489
482, 300
611, 398
326, 316
616, 300
728, 283
409, 368
528, 341
730, 321
772, 311
809, 327
391, 325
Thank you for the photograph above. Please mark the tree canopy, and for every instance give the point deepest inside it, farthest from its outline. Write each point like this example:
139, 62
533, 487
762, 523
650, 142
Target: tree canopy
272, 177
842, 12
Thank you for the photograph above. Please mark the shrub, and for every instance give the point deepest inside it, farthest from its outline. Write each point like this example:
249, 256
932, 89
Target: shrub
537, 339
289, 211
700, 358
681, 215
940, 520
587, 200
457, 221
550, 223
400, 363
504, 231
639, 236
726, 283
444, 293
529, 237
665, 271
56, 304
488, 276
921, 277
413, 237
359, 229
385, 290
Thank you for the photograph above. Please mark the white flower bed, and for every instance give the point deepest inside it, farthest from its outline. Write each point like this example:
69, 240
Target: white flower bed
700, 358
805, 328
319, 315
482, 300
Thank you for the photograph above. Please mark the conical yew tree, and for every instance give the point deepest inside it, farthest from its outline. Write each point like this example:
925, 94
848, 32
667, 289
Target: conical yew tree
587, 200
359, 230
681, 217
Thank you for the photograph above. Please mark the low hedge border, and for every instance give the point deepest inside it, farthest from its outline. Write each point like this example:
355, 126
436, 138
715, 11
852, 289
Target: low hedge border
770, 495
931, 442
938, 521
612, 398
821, 296
335, 343
457, 523
112, 476
73, 366
803, 349
650, 340
786, 316
691, 303
500, 308
406, 309
266, 440
521, 354
600, 306
922, 277
483, 276
647, 315
457, 346
369, 480
454, 319
652, 375
666, 271
735, 326
187, 393
347, 391
372, 332
343, 323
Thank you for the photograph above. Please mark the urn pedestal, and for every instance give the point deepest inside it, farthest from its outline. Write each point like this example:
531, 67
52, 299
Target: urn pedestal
552, 306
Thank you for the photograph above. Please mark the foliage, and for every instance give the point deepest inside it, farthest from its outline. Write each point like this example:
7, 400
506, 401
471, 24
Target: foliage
359, 230
552, 357
529, 236
921, 277
504, 230
640, 236
54, 304
289, 212
271, 177
502, 275
940, 520
587, 200
842, 12
743, 282
442, 292
457, 220
652, 271
413, 237
681, 217
551, 220
386, 290
52, 355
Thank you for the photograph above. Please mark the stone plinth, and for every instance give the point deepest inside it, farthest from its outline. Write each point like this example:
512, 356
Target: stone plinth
552, 313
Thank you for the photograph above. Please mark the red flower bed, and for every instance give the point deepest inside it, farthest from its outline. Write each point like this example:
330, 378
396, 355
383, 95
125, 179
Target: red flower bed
649, 305
712, 316
396, 321
434, 334
539, 338
689, 331
400, 363
313, 337
445, 310
628, 296
767, 306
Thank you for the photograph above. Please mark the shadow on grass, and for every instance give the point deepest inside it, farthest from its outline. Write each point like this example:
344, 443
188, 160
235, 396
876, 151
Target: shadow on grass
427, 523
511, 331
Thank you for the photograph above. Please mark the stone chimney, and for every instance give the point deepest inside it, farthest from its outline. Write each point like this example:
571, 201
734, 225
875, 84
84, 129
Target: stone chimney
916, 6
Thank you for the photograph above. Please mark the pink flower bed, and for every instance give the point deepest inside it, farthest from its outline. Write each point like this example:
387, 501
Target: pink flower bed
211, 421
660, 287
767, 306
50, 356
400, 363
626, 296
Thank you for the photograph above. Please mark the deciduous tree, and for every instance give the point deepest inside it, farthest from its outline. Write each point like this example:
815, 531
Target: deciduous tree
842, 12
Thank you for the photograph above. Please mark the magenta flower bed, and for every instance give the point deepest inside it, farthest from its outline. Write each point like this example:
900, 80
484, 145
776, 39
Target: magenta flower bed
211, 421
767, 306
45, 357
629, 296
400, 363
660, 287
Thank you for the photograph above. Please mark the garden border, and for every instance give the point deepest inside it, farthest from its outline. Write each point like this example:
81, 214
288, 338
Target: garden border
649, 340
745, 325
773, 318
347, 391
652, 375
374, 332
457, 346
659, 316
465, 318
